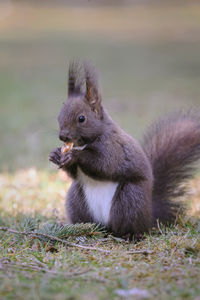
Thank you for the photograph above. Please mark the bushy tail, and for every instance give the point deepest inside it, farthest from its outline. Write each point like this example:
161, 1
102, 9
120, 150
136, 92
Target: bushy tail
173, 148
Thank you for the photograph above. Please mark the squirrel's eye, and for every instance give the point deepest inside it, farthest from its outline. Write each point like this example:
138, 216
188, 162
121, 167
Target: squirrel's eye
81, 119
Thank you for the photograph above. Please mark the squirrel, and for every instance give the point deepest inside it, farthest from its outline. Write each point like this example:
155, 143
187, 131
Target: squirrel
117, 182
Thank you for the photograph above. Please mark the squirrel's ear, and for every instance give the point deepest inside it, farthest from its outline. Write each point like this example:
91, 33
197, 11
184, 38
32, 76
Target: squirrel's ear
92, 94
76, 78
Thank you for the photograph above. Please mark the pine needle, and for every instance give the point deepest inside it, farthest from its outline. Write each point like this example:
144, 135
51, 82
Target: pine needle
56, 233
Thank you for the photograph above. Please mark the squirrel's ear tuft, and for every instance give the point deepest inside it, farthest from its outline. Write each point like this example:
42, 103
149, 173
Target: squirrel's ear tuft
92, 93
76, 78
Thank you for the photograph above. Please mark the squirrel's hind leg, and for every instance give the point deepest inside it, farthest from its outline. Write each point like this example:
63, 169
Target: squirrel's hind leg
131, 210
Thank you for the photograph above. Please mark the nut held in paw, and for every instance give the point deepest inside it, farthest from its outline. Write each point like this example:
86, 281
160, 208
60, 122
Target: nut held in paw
66, 147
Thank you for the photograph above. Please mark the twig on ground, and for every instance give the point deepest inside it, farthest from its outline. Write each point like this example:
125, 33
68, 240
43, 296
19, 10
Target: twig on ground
31, 267
145, 251
39, 235
45, 269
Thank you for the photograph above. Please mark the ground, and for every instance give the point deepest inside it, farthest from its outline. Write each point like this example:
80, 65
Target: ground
164, 265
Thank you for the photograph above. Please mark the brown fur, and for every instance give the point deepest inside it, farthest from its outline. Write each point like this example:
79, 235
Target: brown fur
148, 180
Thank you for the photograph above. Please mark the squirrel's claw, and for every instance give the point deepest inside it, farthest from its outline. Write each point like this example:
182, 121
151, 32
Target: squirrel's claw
66, 159
55, 156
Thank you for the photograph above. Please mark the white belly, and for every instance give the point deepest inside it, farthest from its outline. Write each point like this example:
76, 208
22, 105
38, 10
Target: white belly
98, 195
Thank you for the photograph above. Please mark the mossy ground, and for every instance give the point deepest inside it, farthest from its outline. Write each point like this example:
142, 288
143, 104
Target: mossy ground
165, 263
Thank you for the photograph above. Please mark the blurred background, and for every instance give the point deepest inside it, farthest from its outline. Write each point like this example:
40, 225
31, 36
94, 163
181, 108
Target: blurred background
147, 54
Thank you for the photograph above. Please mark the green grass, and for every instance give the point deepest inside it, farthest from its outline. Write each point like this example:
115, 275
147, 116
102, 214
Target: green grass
148, 64
166, 263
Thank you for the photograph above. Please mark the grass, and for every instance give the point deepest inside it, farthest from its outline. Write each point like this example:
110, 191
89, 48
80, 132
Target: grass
165, 264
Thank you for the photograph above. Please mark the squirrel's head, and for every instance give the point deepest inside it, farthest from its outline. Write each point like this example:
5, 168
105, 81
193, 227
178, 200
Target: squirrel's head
81, 117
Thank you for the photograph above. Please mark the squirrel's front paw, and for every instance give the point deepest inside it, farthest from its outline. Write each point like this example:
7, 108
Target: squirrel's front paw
67, 159
55, 156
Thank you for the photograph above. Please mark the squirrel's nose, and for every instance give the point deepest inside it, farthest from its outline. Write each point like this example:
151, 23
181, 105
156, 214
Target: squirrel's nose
64, 137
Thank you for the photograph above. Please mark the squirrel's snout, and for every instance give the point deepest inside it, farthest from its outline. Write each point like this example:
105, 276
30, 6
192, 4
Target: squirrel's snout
64, 138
